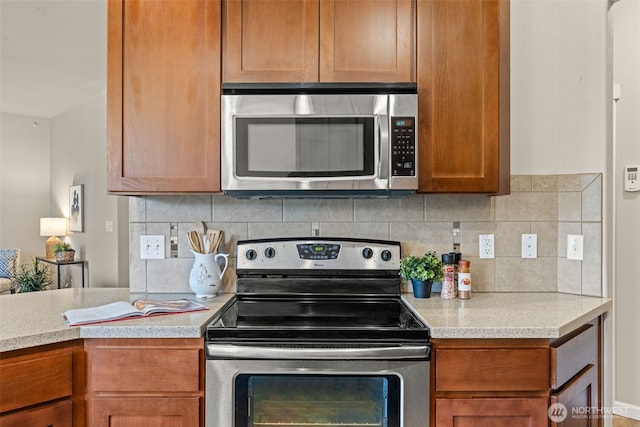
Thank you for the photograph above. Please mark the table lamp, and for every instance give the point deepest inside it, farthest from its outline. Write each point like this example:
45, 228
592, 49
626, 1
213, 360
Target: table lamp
52, 227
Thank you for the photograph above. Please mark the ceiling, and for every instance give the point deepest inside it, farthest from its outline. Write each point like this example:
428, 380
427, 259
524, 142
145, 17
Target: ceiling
53, 54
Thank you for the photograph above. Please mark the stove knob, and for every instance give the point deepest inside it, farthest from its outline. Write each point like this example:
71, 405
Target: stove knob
385, 255
251, 254
270, 252
367, 253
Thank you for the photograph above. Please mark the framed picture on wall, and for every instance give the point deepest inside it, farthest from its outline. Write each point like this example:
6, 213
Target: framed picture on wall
76, 209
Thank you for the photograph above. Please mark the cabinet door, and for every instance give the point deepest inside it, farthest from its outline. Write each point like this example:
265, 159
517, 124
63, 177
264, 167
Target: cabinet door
163, 99
577, 397
463, 87
489, 412
144, 412
57, 414
367, 41
271, 41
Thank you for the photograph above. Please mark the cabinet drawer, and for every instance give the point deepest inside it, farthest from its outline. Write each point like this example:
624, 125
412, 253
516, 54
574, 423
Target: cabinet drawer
570, 355
57, 414
36, 379
144, 369
492, 369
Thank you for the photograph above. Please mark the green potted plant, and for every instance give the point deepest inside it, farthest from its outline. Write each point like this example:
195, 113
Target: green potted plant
32, 277
64, 252
422, 271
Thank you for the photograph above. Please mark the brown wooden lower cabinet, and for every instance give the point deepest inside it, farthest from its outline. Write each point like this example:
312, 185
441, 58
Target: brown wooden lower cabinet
145, 382
42, 386
490, 412
145, 411
513, 382
578, 397
58, 414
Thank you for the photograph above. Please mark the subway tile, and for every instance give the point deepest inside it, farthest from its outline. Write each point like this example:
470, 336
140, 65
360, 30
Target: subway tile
229, 209
508, 238
263, 230
299, 210
592, 201
483, 274
169, 275
137, 267
418, 237
569, 276
577, 182
470, 235
564, 229
547, 238
544, 183
362, 230
405, 209
178, 208
526, 275
592, 264
458, 207
137, 211
527, 207
570, 206
520, 183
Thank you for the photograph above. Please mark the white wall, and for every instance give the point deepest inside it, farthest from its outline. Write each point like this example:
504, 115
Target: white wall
626, 72
78, 156
24, 183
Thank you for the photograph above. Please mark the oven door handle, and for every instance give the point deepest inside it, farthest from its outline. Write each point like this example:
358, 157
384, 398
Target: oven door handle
233, 351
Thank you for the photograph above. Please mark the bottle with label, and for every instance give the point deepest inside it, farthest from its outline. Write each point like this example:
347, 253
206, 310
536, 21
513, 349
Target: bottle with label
448, 279
464, 279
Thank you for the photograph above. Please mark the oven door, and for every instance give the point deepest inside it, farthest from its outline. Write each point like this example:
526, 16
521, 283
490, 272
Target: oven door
299, 392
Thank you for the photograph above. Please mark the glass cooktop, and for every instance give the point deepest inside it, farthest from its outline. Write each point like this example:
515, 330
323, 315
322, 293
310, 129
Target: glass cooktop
320, 318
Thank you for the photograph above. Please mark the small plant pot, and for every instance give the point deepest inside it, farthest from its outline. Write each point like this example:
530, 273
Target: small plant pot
65, 256
422, 288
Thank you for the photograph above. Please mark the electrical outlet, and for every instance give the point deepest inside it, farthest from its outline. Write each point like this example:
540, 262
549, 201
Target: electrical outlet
151, 247
487, 249
575, 245
529, 246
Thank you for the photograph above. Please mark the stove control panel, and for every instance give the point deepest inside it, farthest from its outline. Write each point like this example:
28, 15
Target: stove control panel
317, 253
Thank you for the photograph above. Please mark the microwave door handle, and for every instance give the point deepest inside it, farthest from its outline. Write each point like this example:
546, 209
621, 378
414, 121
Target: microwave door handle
384, 151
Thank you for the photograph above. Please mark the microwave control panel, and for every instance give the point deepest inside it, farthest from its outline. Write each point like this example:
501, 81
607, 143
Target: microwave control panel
403, 146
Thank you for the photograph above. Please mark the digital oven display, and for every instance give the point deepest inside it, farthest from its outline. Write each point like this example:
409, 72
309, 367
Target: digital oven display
318, 251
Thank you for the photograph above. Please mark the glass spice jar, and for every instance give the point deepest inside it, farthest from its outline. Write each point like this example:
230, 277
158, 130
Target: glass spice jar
464, 280
448, 279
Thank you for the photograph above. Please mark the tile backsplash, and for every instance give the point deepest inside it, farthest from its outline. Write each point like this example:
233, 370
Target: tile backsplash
550, 206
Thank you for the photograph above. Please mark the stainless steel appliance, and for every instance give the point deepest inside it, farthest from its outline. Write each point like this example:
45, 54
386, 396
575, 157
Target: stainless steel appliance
337, 140
317, 335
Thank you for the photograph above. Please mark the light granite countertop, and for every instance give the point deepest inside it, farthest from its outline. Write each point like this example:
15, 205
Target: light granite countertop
28, 320
507, 315
33, 319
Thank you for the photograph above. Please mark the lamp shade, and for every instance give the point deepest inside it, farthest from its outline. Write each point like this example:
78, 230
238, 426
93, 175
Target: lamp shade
53, 226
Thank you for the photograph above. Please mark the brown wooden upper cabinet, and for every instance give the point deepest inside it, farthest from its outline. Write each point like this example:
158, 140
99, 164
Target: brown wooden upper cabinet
163, 96
319, 40
463, 88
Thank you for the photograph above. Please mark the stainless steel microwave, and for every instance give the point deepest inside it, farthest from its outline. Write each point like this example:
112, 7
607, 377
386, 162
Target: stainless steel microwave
319, 140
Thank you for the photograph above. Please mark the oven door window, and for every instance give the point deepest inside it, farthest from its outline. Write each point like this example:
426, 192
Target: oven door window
305, 147
317, 400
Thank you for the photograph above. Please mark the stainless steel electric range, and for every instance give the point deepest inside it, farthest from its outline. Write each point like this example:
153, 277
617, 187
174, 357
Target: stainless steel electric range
317, 335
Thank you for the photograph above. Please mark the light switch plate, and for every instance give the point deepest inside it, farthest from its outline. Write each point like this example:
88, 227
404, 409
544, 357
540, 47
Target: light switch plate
152, 247
575, 247
529, 246
486, 246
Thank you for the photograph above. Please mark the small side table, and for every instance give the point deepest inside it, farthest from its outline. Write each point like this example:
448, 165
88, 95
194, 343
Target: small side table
59, 264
